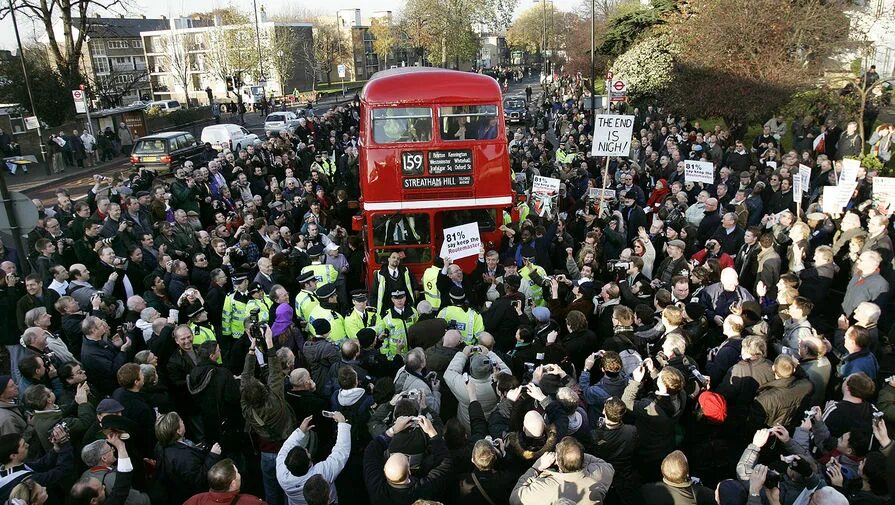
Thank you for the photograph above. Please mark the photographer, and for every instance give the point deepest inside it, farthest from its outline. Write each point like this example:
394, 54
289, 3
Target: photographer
481, 368
611, 385
51, 470
47, 415
102, 355
576, 470
802, 471
295, 465
411, 378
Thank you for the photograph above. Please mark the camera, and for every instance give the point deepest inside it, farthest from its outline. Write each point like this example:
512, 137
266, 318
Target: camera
118, 261
772, 480
809, 415
701, 379
618, 265
413, 394
256, 330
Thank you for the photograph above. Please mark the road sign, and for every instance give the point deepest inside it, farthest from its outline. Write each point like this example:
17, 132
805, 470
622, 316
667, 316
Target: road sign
341, 70
609, 75
31, 122
80, 101
618, 91
25, 212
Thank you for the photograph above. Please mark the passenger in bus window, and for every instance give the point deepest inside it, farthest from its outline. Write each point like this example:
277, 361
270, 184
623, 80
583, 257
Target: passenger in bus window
488, 131
401, 229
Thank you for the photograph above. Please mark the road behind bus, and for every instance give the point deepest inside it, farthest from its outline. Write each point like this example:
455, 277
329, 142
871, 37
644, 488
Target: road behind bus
79, 182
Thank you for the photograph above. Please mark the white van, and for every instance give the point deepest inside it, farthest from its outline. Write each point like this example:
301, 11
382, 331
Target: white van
165, 106
229, 136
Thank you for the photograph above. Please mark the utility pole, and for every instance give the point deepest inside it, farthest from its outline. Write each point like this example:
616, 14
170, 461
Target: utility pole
593, 23
260, 58
40, 137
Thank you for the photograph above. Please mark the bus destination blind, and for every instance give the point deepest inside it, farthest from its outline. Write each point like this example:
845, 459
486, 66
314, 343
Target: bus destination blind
450, 162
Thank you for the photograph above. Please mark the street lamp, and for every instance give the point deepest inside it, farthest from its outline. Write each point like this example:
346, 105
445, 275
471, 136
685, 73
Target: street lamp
262, 80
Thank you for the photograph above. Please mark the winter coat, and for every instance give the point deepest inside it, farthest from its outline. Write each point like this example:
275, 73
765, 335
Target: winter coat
656, 419
432, 486
12, 419
329, 469
321, 355
741, 384
273, 420
588, 485
780, 401
182, 468
101, 360
666, 493
216, 394
453, 378
409, 381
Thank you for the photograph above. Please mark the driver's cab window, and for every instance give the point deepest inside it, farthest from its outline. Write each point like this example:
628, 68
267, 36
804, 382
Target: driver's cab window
401, 229
402, 124
468, 122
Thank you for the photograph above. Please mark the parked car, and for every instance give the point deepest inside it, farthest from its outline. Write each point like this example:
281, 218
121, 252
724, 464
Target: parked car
165, 106
228, 136
280, 121
143, 104
515, 110
165, 152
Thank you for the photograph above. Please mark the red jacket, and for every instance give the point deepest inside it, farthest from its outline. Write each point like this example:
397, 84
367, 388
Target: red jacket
213, 498
702, 255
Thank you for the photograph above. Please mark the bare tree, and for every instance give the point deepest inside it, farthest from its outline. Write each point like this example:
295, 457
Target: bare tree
177, 61
218, 63
306, 56
66, 51
284, 54
111, 88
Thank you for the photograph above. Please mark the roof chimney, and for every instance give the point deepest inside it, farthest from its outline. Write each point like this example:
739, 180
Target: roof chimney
97, 15
143, 16
121, 16
164, 17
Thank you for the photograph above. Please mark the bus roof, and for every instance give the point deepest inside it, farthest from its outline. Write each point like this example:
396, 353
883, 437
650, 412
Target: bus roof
429, 85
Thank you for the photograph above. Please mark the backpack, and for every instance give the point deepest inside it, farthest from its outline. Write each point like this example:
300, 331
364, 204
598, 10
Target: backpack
630, 360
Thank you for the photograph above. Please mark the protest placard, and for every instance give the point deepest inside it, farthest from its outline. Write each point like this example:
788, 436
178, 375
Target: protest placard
595, 193
883, 191
849, 170
461, 241
846, 191
699, 171
800, 182
612, 135
544, 194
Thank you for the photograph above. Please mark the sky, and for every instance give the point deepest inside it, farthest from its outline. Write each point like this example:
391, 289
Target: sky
173, 8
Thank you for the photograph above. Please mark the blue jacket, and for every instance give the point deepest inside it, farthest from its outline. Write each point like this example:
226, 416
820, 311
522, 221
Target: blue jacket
861, 361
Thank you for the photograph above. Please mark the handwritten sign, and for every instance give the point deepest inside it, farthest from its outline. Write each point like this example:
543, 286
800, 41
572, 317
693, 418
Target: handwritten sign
461, 241
800, 182
612, 135
699, 171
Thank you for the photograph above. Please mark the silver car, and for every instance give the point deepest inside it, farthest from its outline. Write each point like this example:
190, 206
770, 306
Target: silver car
279, 122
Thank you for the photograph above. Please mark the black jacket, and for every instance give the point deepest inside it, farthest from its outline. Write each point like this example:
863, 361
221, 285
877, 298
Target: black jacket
663, 493
432, 486
138, 410
656, 418
321, 355
216, 394
101, 360
182, 469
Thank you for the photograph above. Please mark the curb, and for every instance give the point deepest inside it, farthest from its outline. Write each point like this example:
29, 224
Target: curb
42, 182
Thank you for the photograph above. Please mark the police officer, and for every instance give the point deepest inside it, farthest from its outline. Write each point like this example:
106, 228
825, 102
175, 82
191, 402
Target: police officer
235, 312
361, 316
398, 318
534, 276
306, 300
323, 273
199, 325
462, 317
430, 284
328, 309
258, 299
390, 278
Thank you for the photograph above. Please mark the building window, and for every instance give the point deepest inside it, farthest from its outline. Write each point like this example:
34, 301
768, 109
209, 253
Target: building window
118, 44
98, 49
123, 64
137, 44
101, 65
139, 63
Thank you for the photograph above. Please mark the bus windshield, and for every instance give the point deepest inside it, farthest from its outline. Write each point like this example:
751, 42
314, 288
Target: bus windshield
402, 124
401, 229
468, 122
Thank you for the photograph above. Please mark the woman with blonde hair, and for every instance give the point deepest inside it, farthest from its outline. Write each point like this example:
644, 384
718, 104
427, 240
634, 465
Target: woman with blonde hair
28, 492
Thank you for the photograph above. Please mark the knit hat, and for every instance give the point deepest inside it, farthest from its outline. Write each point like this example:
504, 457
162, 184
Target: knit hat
714, 407
366, 336
321, 327
731, 492
480, 367
550, 384
541, 314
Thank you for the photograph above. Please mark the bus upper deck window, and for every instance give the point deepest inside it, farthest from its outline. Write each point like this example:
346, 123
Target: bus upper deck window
468, 122
402, 124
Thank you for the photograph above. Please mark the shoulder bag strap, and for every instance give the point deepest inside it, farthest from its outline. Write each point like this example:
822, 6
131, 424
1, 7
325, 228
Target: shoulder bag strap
478, 486
235, 499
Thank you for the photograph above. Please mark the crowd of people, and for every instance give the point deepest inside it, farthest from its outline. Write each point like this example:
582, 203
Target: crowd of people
211, 338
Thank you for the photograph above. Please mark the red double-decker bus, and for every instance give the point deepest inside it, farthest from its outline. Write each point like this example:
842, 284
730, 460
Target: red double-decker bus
433, 154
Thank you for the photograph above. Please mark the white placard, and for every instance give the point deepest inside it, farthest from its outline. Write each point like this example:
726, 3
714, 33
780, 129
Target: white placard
805, 176
884, 191
846, 190
612, 135
699, 171
831, 200
544, 193
771, 163
849, 171
461, 241
594, 193
31, 122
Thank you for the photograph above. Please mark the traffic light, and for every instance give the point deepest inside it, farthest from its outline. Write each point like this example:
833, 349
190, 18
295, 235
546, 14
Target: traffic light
229, 83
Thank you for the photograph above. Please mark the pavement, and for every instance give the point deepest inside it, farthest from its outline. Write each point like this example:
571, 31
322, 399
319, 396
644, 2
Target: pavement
37, 184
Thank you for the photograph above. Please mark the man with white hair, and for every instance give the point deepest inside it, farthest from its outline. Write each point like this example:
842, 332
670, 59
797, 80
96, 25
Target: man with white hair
100, 459
718, 297
867, 285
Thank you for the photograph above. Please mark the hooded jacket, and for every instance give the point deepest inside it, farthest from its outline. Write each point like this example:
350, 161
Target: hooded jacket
408, 381
453, 377
656, 418
588, 485
217, 394
320, 355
